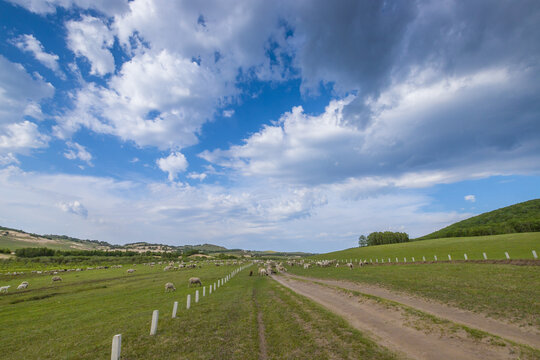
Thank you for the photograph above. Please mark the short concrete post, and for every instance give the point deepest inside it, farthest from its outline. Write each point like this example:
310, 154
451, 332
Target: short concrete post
397, 260
218, 282
423, 258
485, 256
382, 260
389, 260
210, 290
534, 254
188, 304
214, 286
196, 296
435, 256
174, 309
413, 259
204, 291
116, 347
153, 328
465, 256
404, 259
371, 260
449, 257
376, 260
507, 256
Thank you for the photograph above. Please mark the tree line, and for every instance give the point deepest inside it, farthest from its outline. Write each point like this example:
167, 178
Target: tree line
383, 237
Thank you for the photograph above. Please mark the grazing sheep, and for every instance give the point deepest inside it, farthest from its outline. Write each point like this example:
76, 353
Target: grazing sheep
56, 278
4, 289
306, 266
262, 272
130, 271
194, 280
168, 267
23, 285
169, 287
350, 265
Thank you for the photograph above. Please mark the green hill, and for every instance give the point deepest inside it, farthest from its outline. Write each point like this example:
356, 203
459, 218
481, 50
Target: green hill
518, 218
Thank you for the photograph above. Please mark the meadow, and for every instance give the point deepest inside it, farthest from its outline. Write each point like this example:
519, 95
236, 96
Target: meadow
519, 246
77, 318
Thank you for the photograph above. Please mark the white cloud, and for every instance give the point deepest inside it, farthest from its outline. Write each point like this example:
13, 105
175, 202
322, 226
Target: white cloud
77, 151
19, 137
32, 45
92, 39
198, 176
74, 207
470, 198
7, 159
44, 7
173, 164
228, 113
20, 93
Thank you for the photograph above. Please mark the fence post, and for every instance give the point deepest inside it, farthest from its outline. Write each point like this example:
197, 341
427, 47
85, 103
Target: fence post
465, 256
413, 259
389, 260
404, 259
507, 256
449, 257
204, 291
116, 347
153, 328
214, 286
210, 290
188, 304
174, 309
397, 260
534, 254
196, 296
435, 256
423, 258
485, 256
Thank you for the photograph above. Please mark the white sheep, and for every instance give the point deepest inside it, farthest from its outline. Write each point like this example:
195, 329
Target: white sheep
262, 272
23, 285
130, 271
194, 280
56, 278
350, 265
169, 287
4, 289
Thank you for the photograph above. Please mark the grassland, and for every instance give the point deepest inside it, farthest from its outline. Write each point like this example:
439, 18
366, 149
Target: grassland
500, 291
76, 319
519, 246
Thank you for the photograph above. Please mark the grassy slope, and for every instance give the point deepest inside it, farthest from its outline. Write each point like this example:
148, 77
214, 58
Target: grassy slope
519, 246
13, 243
520, 217
501, 291
77, 318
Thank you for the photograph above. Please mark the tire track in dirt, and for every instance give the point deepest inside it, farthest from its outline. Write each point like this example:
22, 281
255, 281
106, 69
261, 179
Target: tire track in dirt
528, 336
263, 348
388, 326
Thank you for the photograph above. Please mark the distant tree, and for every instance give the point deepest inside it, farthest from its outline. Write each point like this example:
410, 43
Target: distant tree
362, 241
386, 237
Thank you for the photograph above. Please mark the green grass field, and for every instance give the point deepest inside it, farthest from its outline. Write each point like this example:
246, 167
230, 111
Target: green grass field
519, 246
77, 318
501, 291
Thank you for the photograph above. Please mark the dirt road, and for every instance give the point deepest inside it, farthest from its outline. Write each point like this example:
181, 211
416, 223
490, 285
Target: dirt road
404, 332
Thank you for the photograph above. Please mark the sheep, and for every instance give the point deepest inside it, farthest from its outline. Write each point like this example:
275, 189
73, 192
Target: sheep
56, 278
262, 272
4, 289
23, 285
194, 280
167, 268
130, 271
169, 287
306, 266
350, 265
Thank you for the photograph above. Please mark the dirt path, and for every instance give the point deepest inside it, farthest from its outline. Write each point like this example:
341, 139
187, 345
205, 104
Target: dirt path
391, 328
528, 336
263, 352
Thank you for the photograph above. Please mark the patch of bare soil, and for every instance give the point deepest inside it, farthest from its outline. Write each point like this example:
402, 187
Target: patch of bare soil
524, 335
391, 327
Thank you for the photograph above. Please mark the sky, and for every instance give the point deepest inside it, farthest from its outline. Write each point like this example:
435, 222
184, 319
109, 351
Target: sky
265, 125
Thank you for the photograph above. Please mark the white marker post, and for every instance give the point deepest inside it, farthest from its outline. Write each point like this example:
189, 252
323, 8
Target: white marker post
485, 256
389, 260
188, 304
204, 291
196, 296
382, 260
449, 257
214, 286
116, 347
534, 255
377, 260
465, 256
423, 258
174, 309
404, 259
435, 256
153, 328
507, 256
413, 259
397, 260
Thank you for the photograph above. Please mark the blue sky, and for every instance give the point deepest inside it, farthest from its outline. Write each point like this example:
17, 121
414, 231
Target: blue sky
264, 125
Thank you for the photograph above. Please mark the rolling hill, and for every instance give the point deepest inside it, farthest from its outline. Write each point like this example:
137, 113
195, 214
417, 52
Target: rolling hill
518, 218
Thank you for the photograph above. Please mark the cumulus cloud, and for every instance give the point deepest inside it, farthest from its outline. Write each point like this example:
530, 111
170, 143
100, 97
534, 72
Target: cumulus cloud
470, 198
20, 137
32, 45
173, 164
44, 7
77, 151
92, 39
74, 207
228, 113
20, 93
197, 176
